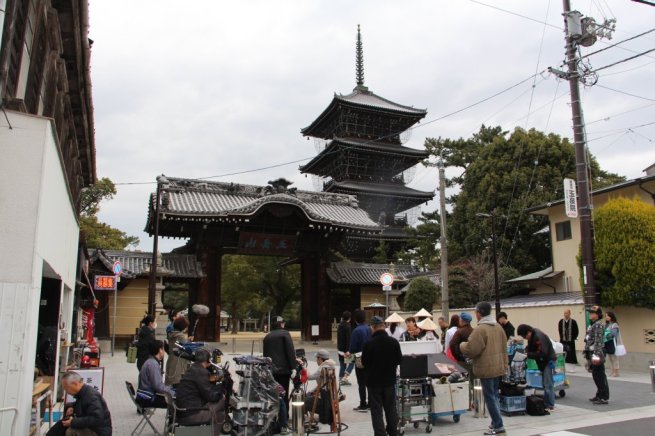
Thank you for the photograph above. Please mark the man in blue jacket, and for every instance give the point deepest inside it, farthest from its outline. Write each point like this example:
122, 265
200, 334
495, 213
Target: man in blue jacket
360, 335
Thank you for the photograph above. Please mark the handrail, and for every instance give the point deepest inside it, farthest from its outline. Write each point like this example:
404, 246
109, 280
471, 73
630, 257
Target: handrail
13, 420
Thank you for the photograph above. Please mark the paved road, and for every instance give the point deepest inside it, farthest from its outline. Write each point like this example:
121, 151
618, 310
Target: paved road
637, 427
623, 394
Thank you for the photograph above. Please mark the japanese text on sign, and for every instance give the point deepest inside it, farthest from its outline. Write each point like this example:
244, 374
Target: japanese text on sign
570, 198
260, 243
105, 283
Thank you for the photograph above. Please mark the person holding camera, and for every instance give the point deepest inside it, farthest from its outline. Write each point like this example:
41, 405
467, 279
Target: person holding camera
88, 416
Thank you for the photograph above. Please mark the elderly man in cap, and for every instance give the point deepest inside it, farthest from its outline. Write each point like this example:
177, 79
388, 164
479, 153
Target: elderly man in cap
593, 352
487, 346
381, 357
279, 347
324, 362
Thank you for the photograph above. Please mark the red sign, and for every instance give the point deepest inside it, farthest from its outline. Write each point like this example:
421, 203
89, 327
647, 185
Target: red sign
264, 244
104, 283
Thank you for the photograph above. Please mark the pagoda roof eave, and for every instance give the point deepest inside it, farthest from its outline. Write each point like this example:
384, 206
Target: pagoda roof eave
387, 106
367, 146
381, 189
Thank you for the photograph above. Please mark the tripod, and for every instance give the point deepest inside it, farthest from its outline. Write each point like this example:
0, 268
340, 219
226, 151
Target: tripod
327, 380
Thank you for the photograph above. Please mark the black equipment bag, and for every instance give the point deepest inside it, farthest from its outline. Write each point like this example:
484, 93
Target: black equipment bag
414, 366
535, 406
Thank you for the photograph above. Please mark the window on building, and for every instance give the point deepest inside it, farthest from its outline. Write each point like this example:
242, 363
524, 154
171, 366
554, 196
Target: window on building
563, 230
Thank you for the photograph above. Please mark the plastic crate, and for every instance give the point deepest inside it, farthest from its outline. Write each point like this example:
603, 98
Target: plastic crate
534, 379
512, 404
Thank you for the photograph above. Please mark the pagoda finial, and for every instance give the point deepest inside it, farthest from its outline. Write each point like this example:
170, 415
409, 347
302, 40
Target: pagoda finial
359, 67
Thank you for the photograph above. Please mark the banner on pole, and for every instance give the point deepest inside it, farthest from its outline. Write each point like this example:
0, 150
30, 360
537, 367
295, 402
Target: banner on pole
570, 198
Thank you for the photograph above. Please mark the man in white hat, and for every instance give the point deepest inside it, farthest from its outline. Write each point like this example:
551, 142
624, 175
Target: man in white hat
428, 328
324, 362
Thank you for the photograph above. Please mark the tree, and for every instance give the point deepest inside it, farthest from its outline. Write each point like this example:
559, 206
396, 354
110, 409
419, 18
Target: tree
624, 250
422, 293
421, 249
253, 285
97, 233
506, 174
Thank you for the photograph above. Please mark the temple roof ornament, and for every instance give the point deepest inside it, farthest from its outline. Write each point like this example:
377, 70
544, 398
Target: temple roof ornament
359, 62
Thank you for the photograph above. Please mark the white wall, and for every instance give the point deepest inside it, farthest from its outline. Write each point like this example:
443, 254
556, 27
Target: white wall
37, 224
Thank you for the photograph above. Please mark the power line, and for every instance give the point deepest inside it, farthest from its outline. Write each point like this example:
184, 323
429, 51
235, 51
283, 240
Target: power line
624, 60
516, 14
625, 93
617, 43
367, 142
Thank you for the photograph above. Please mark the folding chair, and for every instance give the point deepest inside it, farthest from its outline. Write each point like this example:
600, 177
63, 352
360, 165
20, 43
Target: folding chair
173, 427
145, 412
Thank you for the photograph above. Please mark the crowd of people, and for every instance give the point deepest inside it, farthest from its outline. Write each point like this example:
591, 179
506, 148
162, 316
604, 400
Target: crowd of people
372, 350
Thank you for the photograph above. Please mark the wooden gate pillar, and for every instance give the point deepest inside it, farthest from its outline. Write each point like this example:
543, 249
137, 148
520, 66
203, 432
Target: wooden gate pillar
208, 293
315, 300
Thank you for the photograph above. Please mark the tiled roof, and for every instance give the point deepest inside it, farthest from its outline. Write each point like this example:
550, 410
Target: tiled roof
383, 189
434, 278
354, 273
368, 98
549, 299
137, 263
544, 274
201, 199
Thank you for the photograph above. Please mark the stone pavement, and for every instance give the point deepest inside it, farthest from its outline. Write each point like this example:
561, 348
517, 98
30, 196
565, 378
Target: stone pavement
631, 399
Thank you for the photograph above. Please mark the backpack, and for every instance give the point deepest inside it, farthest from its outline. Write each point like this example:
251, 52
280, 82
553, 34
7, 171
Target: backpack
535, 406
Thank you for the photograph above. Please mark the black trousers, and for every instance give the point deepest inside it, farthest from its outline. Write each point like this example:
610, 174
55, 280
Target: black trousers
284, 380
569, 347
360, 373
383, 400
602, 388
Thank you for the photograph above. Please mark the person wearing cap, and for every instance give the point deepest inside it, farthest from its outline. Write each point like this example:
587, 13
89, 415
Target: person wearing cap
381, 356
279, 347
540, 348
324, 362
593, 352
461, 335
487, 346
195, 391
360, 335
394, 330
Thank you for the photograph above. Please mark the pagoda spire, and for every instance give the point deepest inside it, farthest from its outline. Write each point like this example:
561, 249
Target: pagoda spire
359, 65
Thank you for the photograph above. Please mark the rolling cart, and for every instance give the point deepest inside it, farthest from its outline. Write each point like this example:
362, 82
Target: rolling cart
512, 387
414, 402
560, 382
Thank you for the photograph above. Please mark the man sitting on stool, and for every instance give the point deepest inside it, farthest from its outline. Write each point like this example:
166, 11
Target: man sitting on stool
195, 391
323, 360
150, 379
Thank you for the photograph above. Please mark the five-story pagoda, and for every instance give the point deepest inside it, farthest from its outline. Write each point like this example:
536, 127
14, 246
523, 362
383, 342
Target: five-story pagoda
364, 156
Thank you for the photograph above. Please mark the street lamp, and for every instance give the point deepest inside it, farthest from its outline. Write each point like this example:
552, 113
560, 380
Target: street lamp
493, 254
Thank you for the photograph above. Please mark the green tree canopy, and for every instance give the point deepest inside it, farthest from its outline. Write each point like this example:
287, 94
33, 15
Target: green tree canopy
504, 174
422, 293
624, 250
421, 249
97, 233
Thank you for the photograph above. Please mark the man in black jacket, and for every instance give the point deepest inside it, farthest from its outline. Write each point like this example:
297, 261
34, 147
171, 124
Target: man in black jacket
89, 416
195, 391
568, 334
381, 356
279, 347
343, 346
507, 326
540, 348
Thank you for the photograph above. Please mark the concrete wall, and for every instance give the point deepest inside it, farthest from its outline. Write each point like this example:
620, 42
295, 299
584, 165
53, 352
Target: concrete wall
37, 226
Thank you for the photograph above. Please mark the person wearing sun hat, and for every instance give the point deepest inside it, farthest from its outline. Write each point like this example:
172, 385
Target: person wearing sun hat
428, 328
394, 330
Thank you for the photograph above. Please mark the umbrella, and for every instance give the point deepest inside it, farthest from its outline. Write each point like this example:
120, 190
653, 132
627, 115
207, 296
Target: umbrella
427, 324
422, 313
394, 317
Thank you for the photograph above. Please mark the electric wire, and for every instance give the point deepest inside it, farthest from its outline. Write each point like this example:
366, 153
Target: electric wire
623, 60
447, 115
629, 69
617, 43
625, 93
545, 23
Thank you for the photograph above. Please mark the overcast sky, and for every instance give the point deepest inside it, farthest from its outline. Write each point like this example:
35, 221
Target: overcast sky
203, 88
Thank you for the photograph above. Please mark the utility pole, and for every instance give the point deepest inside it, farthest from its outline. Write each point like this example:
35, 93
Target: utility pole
575, 32
443, 240
152, 288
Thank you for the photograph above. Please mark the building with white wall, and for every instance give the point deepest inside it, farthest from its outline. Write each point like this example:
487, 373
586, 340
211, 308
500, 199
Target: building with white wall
48, 157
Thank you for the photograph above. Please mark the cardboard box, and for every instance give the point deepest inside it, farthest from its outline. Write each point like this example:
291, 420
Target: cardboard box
450, 397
